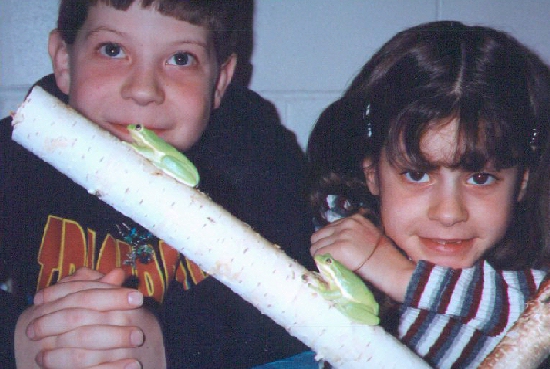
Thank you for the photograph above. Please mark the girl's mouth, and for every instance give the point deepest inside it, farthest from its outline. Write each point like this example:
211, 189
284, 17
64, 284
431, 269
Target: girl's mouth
447, 246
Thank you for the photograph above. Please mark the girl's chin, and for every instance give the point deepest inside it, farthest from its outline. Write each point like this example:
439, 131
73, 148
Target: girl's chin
453, 264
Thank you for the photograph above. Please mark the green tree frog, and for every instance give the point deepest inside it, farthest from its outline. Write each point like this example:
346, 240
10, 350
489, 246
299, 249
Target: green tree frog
346, 290
164, 156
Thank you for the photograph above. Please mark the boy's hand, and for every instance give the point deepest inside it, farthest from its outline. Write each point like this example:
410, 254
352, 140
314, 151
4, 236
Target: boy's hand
362, 247
86, 320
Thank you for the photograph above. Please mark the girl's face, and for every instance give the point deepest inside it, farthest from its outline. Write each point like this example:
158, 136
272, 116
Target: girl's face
448, 216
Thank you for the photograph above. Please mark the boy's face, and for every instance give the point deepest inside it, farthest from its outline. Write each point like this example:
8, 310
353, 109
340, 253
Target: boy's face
448, 216
141, 67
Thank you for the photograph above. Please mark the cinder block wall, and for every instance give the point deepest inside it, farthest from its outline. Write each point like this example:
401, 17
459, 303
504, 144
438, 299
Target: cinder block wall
305, 52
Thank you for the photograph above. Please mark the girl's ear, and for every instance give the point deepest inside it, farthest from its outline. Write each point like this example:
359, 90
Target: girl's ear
523, 185
369, 170
59, 54
224, 79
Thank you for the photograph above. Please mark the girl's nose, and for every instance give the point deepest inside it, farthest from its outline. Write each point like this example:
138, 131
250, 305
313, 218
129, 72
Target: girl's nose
144, 86
447, 207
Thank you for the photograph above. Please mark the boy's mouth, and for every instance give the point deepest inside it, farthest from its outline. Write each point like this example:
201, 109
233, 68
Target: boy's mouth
120, 130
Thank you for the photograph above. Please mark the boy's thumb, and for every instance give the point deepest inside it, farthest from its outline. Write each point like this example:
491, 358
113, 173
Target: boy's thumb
115, 277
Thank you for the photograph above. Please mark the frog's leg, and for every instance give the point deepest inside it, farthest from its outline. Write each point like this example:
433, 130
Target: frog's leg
178, 166
359, 312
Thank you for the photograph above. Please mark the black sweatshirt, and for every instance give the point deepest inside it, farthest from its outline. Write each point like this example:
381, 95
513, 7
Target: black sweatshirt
248, 162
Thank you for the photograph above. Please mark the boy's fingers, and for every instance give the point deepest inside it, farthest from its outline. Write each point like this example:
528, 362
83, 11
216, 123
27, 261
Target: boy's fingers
101, 337
81, 358
83, 274
115, 277
61, 290
83, 278
63, 310
119, 364
102, 299
67, 320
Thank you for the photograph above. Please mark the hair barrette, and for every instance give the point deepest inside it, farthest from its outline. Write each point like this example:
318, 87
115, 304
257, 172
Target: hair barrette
366, 116
533, 141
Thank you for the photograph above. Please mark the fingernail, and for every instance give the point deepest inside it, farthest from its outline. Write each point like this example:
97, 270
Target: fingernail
135, 298
30, 331
39, 359
136, 338
134, 365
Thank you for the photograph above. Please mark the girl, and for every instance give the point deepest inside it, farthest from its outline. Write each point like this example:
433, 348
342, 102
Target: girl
438, 142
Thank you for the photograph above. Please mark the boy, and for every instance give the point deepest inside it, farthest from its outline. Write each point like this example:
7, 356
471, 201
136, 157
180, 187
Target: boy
111, 65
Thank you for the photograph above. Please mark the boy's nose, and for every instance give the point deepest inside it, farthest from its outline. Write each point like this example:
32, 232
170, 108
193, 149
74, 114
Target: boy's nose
143, 86
447, 207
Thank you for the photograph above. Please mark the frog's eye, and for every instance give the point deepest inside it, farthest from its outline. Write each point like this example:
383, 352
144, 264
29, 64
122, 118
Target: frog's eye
139, 127
328, 260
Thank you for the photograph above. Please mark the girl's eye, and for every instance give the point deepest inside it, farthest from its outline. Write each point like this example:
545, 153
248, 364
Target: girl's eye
417, 177
481, 179
112, 50
181, 59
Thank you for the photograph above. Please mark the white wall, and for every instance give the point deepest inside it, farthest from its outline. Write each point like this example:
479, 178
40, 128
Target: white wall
305, 51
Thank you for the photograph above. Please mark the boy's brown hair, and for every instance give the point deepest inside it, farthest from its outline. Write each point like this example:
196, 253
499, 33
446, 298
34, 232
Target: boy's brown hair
220, 17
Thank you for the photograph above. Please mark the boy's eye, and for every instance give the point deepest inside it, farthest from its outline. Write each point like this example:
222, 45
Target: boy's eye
181, 59
417, 177
481, 179
112, 50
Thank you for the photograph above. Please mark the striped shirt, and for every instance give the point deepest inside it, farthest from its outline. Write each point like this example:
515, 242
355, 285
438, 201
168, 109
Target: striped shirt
453, 318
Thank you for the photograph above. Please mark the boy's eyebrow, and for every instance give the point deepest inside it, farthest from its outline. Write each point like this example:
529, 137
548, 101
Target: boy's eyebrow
122, 34
103, 29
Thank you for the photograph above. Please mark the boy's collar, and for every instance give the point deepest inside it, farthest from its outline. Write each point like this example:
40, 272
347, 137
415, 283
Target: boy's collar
48, 83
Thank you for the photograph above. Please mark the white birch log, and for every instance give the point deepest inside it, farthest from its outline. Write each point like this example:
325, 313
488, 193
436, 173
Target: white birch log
527, 343
188, 220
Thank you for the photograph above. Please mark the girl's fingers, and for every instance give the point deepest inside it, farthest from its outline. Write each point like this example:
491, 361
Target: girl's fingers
350, 240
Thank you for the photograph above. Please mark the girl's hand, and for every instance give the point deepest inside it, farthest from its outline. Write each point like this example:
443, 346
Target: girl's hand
364, 249
352, 241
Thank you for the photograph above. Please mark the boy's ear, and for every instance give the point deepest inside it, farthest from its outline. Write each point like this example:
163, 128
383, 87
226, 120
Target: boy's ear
523, 185
59, 54
224, 79
369, 170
